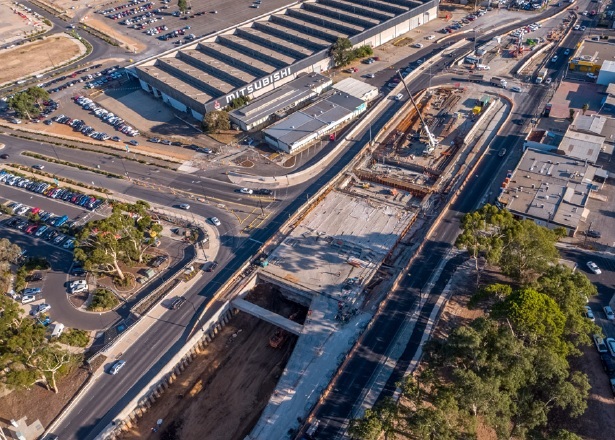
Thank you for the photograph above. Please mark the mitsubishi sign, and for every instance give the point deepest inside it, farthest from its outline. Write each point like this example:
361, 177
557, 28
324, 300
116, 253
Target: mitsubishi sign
250, 88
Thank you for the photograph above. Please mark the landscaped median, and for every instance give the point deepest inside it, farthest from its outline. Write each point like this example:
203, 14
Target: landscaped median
21, 170
71, 164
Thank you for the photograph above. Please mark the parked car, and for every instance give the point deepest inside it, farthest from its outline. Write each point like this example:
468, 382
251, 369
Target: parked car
589, 314
184, 206
594, 267
599, 343
178, 302
608, 311
25, 299
246, 191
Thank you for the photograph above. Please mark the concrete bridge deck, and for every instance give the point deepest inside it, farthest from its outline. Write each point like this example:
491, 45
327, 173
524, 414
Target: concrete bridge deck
266, 315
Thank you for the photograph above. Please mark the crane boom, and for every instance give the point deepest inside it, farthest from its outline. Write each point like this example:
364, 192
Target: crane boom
433, 142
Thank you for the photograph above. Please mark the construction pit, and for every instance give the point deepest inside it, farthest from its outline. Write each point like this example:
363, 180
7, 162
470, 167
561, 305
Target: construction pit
421, 154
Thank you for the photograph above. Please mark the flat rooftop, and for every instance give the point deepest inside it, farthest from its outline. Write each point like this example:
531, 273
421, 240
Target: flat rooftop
550, 188
595, 51
338, 247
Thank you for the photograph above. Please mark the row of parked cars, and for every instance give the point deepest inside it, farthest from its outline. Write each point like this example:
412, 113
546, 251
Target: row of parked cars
81, 126
50, 190
106, 116
44, 231
117, 12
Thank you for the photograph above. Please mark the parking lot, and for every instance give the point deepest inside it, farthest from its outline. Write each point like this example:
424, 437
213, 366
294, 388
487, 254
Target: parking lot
138, 19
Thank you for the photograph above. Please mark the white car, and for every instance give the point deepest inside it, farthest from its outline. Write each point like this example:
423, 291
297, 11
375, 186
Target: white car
589, 314
27, 299
600, 345
594, 267
608, 311
554, 59
117, 367
577, 27
69, 244
417, 45
430, 37
592, 76
184, 206
246, 191
78, 286
215, 221
41, 308
399, 97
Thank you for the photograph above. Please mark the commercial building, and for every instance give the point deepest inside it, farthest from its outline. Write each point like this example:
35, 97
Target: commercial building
265, 53
303, 128
593, 56
550, 189
278, 103
358, 89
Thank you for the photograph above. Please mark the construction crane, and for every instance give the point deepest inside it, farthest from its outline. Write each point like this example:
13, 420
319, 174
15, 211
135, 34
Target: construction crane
433, 142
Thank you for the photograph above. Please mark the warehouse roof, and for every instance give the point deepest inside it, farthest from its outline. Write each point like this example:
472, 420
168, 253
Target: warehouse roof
581, 146
354, 87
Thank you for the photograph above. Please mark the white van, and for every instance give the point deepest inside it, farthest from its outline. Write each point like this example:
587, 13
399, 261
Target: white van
483, 67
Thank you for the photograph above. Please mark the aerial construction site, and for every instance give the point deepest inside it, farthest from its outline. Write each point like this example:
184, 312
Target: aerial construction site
315, 287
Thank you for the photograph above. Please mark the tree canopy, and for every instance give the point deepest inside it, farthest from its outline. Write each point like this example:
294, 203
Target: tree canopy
521, 248
26, 357
343, 54
216, 121
121, 237
182, 5
27, 104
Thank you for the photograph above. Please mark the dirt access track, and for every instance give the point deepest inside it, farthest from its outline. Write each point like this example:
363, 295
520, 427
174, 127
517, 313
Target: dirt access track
222, 393
39, 56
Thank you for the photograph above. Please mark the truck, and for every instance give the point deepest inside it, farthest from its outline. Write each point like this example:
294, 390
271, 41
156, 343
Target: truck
498, 82
475, 78
541, 76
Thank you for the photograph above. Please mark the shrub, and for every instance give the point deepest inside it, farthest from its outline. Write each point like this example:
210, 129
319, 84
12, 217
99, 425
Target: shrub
102, 301
75, 338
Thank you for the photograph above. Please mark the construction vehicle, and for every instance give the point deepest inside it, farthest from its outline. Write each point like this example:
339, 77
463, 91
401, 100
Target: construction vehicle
431, 139
541, 76
498, 82
278, 338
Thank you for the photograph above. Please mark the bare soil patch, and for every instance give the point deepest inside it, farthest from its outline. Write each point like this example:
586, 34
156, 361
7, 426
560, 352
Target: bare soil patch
101, 26
222, 393
40, 403
38, 56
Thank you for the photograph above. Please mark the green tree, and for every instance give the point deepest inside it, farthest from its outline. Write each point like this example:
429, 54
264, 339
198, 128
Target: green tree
585, 107
216, 121
9, 253
374, 422
529, 249
103, 300
341, 52
103, 244
183, 5
535, 317
562, 434
570, 290
483, 233
28, 103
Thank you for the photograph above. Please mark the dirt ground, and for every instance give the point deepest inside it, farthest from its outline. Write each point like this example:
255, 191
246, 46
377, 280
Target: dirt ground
38, 56
101, 26
28, 403
221, 394
598, 422
14, 26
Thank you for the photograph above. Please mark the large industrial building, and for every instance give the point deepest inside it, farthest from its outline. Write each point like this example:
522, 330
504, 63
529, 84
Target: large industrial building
257, 57
594, 57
